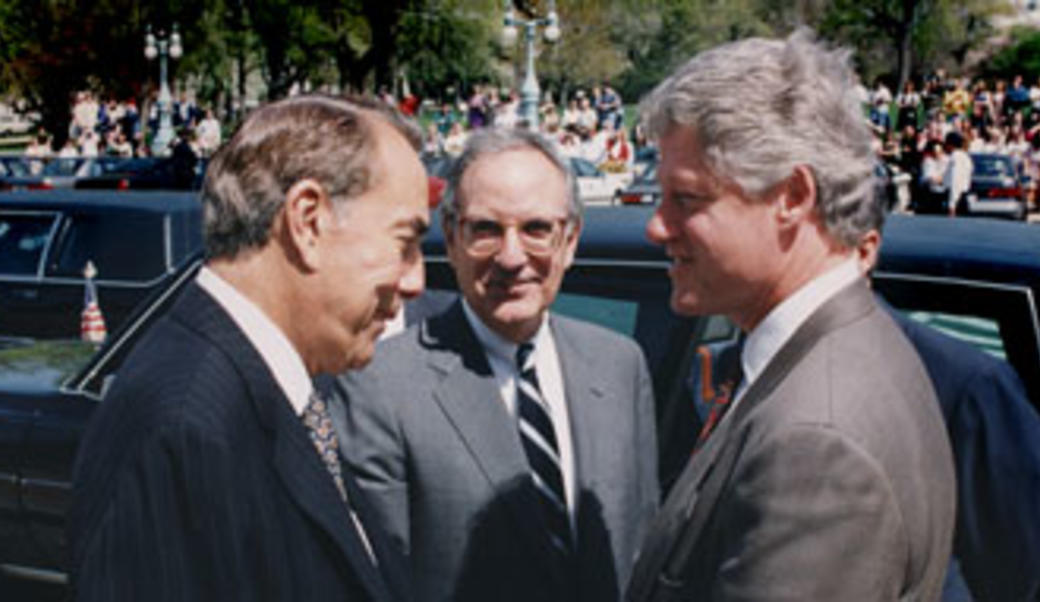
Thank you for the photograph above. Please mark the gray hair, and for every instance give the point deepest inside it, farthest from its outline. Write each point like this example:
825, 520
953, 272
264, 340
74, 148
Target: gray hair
305, 137
762, 107
499, 140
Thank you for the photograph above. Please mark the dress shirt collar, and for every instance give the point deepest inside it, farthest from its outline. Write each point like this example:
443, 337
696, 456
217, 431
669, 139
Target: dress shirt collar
779, 325
497, 345
278, 353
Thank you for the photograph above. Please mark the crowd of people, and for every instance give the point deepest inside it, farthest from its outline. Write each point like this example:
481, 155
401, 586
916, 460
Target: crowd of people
109, 127
590, 126
925, 131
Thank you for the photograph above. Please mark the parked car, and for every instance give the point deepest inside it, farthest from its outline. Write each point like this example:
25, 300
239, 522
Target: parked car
134, 240
645, 189
997, 189
595, 186
978, 279
141, 173
19, 172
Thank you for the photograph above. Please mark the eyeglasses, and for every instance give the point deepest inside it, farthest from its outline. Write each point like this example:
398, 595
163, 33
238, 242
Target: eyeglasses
540, 236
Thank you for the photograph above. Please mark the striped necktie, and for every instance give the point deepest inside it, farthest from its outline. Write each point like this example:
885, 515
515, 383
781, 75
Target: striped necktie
539, 441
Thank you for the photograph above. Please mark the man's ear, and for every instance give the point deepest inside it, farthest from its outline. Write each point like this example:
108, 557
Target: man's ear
570, 242
798, 196
305, 220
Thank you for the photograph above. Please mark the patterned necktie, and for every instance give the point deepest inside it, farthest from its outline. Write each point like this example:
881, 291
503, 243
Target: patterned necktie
319, 424
323, 436
731, 373
539, 441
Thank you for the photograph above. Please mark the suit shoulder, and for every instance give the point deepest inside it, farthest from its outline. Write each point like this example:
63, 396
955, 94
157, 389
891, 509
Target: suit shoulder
174, 373
594, 335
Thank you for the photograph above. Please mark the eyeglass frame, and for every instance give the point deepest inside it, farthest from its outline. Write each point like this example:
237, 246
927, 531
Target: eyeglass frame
565, 228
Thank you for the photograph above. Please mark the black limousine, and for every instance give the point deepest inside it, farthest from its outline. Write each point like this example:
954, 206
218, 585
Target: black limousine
977, 279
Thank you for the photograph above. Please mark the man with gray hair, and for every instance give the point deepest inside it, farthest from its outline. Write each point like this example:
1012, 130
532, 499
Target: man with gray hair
510, 451
211, 471
826, 474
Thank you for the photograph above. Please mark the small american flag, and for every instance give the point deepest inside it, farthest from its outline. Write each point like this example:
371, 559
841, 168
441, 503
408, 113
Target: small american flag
91, 322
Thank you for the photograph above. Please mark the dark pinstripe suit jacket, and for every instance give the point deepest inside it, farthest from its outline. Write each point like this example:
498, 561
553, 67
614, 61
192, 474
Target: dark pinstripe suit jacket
196, 481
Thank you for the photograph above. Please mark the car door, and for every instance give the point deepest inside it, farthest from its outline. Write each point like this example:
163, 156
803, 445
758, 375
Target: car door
59, 417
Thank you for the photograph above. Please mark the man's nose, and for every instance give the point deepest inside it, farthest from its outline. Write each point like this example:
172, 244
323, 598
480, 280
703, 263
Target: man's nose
413, 280
656, 228
512, 255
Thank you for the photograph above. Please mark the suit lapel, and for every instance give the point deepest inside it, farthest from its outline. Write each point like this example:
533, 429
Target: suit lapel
688, 507
469, 396
295, 461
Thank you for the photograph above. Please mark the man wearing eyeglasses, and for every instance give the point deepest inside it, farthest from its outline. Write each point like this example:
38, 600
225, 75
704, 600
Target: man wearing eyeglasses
510, 451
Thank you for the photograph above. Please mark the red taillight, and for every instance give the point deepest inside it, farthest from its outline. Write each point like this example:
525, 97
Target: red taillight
42, 185
631, 199
435, 190
123, 184
1003, 193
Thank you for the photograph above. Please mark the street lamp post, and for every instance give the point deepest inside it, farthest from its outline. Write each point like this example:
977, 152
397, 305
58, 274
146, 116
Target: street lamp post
529, 91
163, 46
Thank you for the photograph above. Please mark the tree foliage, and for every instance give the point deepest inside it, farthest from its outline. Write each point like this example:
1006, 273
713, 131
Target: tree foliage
51, 48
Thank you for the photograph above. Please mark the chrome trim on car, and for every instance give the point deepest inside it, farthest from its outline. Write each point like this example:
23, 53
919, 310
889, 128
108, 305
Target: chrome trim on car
18, 571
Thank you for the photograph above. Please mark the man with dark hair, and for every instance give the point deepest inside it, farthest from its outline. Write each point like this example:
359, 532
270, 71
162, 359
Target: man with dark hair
210, 471
825, 474
511, 450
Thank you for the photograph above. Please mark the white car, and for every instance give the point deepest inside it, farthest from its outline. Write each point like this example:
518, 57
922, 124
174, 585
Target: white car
596, 187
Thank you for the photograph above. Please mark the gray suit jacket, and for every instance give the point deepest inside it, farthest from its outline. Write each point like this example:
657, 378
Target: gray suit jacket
432, 444
832, 479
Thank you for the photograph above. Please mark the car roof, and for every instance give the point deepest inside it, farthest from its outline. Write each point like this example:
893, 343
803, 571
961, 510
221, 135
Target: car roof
62, 200
978, 249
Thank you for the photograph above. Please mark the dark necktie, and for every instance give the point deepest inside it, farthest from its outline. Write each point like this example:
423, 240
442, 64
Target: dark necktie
539, 441
319, 424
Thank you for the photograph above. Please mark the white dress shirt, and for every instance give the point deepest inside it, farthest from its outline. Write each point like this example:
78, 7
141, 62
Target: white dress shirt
501, 354
766, 339
278, 353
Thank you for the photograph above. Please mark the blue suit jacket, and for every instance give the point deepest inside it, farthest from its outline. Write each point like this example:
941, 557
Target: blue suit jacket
195, 480
995, 434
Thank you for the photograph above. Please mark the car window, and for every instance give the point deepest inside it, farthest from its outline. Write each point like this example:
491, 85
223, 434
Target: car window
992, 166
121, 246
619, 315
583, 168
62, 166
1000, 319
983, 333
21, 168
23, 237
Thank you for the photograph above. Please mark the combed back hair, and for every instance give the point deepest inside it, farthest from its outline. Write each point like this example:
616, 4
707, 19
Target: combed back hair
498, 140
322, 138
760, 107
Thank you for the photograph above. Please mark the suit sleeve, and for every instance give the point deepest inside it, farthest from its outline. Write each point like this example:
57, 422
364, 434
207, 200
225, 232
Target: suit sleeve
646, 431
810, 517
996, 435
165, 530
375, 450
